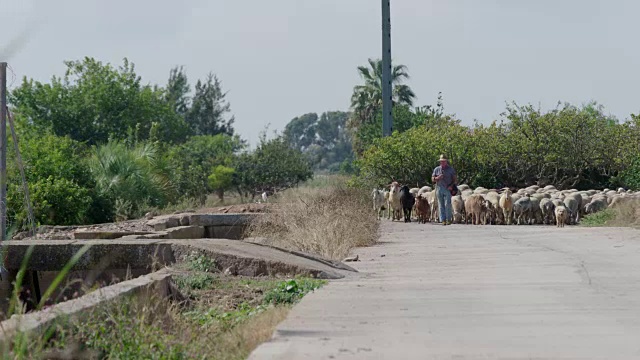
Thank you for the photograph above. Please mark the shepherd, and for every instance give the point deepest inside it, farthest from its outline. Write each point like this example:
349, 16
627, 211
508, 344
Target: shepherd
444, 176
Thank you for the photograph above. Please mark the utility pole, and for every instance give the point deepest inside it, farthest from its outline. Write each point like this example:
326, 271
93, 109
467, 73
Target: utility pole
3, 150
387, 121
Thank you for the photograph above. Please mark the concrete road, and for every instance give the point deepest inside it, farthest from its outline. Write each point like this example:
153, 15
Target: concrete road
475, 292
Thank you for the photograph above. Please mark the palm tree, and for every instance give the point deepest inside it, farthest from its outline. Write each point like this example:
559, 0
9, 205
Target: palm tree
367, 98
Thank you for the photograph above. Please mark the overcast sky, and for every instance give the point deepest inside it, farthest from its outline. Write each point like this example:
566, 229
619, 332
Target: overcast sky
279, 59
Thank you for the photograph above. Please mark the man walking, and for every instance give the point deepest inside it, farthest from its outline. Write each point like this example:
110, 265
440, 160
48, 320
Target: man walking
444, 176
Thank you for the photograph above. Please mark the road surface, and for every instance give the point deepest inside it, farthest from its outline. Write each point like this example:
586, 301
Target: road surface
475, 292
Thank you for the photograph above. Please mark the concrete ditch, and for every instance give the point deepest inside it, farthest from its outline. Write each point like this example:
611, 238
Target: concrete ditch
151, 285
110, 261
134, 251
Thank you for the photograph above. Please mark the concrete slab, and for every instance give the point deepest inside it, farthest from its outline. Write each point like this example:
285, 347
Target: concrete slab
222, 219
254, 260
37, 322
244, 258
53, 255
186, 232
475, 292
97, 234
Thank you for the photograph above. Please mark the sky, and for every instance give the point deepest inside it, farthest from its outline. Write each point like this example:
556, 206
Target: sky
280, 59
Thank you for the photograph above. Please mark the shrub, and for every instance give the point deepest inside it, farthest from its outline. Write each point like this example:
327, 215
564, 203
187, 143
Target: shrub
191, 163
273, 166
129, 176
60, 184
568, 147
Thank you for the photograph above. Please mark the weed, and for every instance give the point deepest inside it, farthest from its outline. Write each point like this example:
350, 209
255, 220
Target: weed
599, 218
200, 262
289, 292
195, 281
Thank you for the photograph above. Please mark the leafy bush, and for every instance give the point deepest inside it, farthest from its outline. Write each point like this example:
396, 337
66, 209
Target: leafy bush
273, 166
60, 184
131, 177
631, 176
568, 147
192, 162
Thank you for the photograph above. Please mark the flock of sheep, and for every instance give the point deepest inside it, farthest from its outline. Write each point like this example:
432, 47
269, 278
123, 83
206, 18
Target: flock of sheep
531, 205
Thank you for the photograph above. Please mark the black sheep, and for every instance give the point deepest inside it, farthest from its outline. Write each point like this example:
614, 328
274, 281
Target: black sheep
407, 200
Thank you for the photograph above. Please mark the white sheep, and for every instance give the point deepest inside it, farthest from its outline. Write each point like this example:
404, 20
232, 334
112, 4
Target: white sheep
394, 205
378, 202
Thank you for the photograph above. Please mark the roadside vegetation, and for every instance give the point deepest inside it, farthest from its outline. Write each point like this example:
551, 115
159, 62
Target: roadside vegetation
327, 219
222, 317
173, 145
624, 215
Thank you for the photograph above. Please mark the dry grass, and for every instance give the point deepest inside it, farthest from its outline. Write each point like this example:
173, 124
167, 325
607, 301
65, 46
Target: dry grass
329, 221
625, 214
242, 340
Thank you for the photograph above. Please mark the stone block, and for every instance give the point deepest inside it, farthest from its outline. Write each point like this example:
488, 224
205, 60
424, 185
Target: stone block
186, 232
221, 219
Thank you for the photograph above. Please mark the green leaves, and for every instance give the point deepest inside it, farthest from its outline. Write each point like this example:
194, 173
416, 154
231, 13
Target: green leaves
568, 147
290, 291
129, 177
325, 140
273, 166
94, 101
191, 164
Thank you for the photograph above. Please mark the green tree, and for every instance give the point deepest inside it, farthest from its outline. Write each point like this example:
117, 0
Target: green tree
191, 163
300, 132
325, 139
273, 166
366, 100
208, 112
569, 147
93, 102
221, 179
177, 94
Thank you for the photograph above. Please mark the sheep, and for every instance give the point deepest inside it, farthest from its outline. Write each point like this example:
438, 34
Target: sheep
547, 207
536, 211
407, 200
489, 213
506, 204
433, 201
562, 214
515, 197
457, 205
424, 189
394, 205
494, 214
596, 204
463, 187
378, 202
573, 202
474, 208
423, 211
522, 210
